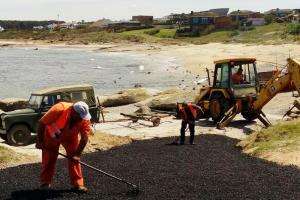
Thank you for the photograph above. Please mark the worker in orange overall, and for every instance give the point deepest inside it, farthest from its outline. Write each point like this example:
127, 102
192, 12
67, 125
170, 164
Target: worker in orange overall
237, 78
188, 113
64, 124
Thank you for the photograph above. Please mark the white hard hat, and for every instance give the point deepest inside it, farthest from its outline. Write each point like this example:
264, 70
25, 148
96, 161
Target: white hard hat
83, 110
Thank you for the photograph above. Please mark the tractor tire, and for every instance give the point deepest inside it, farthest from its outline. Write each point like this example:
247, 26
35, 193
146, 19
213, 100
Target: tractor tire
217, 107
249, 116
19, 135
3, 137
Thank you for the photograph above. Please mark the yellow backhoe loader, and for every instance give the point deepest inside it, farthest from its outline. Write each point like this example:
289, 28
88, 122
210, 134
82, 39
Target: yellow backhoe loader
236, 89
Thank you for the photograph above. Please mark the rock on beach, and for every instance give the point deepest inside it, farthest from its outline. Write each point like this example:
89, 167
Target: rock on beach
125, 97
168, 99
13, 104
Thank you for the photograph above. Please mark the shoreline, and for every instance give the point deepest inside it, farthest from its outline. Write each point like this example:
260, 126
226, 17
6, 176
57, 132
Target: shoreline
194, 58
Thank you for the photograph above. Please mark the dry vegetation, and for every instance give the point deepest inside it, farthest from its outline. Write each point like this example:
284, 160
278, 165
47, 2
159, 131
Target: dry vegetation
9, 157
280, 143
101, 142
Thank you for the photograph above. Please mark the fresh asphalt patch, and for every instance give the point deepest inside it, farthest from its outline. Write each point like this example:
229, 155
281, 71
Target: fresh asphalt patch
212, 169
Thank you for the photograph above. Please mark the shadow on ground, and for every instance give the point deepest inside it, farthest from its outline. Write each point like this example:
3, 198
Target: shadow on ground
239, 124
212, 169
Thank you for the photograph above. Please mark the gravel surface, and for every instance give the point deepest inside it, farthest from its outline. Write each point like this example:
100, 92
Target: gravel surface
211, 169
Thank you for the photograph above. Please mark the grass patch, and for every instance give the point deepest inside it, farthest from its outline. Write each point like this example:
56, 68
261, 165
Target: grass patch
274, 33
219, 37
152, 31
269, 34
280, 137
293, 29
166, 33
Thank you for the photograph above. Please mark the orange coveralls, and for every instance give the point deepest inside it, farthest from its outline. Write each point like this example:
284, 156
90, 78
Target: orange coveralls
59, 116
237, 78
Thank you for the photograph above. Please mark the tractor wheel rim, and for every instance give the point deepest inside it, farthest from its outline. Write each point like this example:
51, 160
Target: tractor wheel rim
19, 137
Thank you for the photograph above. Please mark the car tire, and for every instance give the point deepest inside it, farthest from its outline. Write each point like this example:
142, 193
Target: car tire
250, 116
19, 135
3, 137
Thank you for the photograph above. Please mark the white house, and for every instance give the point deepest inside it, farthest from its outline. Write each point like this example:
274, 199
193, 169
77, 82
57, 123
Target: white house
38, 28
52, 26
257, 21
1, 29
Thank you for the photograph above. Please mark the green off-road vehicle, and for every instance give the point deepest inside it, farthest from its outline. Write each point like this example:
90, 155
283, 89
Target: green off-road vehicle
16, 126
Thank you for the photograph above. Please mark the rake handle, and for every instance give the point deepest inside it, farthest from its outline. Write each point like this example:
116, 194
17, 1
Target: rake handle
100, 171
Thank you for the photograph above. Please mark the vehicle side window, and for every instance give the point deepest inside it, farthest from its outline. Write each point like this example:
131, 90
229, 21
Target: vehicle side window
50, 100
243, 74
222, 76
79, 96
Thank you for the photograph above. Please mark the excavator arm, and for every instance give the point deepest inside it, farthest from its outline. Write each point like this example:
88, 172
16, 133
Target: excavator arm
294, 70
286, 80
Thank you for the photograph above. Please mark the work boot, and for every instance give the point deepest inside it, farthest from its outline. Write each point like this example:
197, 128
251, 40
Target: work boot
80, 189
45, 186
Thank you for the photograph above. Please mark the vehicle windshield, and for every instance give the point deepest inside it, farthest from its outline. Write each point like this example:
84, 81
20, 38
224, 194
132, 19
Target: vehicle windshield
35, 101
243, 74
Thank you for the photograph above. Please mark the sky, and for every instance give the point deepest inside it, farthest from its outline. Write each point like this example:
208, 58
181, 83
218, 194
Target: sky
91, 10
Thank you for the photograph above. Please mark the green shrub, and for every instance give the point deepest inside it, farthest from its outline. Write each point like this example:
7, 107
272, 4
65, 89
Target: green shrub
166, 33
152, 31
134, 38
293, 29
269, 19
234, 33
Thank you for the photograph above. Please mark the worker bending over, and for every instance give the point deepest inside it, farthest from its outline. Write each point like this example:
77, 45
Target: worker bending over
63, 124
188, 113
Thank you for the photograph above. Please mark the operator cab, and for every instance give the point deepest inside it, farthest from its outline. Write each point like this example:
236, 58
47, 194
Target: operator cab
237, 75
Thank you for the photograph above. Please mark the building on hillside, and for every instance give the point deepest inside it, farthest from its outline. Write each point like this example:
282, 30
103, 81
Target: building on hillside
221, 12
1, 29
161, 20
295, 16
182, 19
52, 26
144, 20
240, 15
38, 27
257, 21
224, 22
201, 19
68, 25
205, 22
281, 13
125, 25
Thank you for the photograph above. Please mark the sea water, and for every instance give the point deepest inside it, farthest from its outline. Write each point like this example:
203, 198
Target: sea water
25, 69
